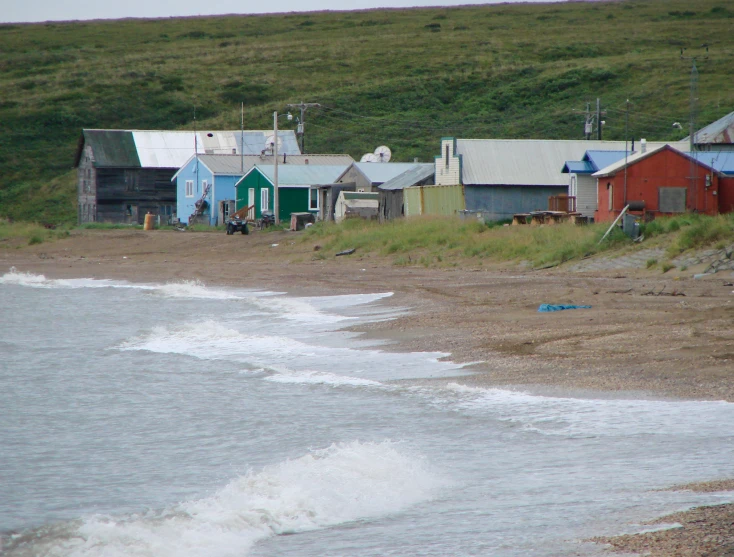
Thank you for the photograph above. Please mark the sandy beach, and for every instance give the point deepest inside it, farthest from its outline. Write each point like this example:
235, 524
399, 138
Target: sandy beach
647, 333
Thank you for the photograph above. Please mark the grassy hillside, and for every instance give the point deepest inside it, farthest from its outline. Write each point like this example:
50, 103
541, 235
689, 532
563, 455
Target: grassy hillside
403, 78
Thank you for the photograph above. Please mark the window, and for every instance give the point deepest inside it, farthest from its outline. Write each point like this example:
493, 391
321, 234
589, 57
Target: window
264, 200
189, 188
313, 203
203, 186
447, 156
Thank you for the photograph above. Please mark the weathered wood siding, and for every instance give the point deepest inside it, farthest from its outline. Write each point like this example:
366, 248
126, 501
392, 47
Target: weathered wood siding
87, 187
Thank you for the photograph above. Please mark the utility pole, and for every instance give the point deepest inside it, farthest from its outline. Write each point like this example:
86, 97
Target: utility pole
692, 121
694, 95
301, 130
599, 121
590, 117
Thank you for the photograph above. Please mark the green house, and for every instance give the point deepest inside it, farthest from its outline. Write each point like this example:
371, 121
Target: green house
297, 188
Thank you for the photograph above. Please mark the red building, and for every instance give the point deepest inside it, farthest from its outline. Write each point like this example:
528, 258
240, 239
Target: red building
662, 181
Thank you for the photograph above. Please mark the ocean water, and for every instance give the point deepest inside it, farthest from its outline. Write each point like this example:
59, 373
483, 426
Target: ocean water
187, 420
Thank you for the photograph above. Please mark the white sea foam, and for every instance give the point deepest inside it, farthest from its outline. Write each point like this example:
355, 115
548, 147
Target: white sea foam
212, 340
339, 484
320, 378
661, 528
18, 278
582, 417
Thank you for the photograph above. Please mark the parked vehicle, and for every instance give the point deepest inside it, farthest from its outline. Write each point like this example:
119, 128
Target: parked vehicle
237, 224
267, 219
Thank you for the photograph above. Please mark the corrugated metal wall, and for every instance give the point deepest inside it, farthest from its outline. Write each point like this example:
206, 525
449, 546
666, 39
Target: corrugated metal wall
502, 202
433, 200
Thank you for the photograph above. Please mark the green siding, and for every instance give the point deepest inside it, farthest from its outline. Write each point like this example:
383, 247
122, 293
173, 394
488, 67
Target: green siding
292, 199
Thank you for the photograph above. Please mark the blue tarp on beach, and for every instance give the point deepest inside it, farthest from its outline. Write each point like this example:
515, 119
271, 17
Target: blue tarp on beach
559, 307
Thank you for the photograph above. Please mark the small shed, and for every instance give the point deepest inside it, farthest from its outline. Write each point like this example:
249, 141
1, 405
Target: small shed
392, 202
367, 176
363, 205
328, 194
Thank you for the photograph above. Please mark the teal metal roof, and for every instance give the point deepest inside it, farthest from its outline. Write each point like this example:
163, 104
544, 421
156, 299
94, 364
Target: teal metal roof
114, 148
302, 174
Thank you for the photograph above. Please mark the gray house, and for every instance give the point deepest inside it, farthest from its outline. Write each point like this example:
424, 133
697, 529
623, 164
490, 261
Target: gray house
504, 177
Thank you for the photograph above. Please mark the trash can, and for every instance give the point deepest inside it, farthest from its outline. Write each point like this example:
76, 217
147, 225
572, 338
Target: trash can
149, 221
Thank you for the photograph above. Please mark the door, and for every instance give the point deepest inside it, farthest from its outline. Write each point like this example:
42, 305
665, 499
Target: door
251, 203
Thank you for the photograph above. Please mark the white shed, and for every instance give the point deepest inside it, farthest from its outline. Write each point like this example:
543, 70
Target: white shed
357, 204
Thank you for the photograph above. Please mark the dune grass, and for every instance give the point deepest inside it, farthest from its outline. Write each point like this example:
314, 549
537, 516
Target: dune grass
437, 241
30, 233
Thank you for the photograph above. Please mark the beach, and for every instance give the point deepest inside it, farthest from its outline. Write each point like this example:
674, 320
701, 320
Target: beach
647, 334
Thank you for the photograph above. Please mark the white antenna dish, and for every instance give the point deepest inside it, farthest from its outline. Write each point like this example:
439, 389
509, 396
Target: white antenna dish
383, 153
270, 142
367, 157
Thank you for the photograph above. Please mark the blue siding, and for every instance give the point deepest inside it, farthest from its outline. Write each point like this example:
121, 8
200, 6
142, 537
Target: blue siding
223, 190
502, 202
185, 205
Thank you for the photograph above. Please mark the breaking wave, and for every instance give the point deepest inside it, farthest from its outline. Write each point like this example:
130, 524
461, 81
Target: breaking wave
339, 484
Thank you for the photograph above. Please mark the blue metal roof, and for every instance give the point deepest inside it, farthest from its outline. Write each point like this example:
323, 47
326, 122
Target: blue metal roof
592, 161
601, 159
721, 161
577, 167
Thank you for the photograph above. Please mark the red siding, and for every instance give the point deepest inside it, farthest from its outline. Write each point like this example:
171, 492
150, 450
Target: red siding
666, 168
726, 195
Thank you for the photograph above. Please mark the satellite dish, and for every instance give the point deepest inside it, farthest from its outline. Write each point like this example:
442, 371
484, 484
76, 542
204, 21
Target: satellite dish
270, 142
383, 153
367, 157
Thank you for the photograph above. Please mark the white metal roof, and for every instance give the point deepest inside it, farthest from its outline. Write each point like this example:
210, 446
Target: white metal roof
525, 162
171, 149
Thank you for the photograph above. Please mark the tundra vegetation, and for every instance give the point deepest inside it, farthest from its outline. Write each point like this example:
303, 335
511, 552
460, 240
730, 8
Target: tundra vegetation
403, 77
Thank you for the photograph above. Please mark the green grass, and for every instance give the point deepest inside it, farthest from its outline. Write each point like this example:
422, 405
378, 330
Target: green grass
498, 70
30, 233
435, 241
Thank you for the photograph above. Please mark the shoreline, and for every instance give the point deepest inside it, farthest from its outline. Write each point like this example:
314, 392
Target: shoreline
629, 344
